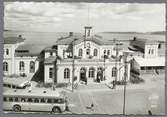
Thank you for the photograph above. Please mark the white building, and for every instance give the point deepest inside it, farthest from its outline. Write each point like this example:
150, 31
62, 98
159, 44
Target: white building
150, 58
16, 61
94, 60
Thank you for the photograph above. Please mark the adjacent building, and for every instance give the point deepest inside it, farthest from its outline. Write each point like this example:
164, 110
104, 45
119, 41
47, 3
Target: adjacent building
150, 57
17, 61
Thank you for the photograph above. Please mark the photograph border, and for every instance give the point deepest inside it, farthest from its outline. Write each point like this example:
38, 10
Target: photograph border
67, 115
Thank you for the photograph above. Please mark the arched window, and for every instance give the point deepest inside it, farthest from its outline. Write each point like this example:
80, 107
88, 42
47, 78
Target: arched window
114, 72
87, 51
108, 52
95, 52
149, 51
32, 66
5, 66
51, 53
7, 51
152, 51
104, 51
92, 72
21, 66
66, 73
80, 52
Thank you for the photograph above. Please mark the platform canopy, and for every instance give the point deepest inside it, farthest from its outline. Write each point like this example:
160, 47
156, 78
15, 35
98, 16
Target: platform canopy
150, 62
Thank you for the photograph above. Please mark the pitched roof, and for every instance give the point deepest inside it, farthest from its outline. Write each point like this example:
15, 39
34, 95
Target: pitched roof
13, 40
80, 38
29, 49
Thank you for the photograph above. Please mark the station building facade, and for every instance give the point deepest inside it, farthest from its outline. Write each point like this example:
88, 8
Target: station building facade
83, 58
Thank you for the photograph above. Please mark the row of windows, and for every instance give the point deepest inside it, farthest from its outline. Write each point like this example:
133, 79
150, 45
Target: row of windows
33, 100
50, 72
151, 51
95, 52
106, 52
80, 52
21, 66
91, 72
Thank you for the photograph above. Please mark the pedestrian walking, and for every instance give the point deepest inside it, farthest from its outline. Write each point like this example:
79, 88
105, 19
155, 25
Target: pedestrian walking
92, 106
114, 83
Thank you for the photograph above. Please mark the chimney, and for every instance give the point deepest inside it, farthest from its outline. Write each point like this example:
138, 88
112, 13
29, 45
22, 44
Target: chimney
70, 34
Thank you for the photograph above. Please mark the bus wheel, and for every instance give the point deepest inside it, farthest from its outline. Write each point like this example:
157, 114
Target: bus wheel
56, 110
16, 108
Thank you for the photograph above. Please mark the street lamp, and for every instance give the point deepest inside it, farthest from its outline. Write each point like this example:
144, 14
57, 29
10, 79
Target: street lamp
117, 43
73, 64
125, 55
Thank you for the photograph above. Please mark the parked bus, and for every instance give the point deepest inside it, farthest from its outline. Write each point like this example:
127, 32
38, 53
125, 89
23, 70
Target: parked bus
35, 100
16, 83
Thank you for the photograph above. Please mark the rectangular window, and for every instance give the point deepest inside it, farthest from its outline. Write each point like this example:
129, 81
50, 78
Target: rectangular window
23, 100
51, 53
49, 101
50, 72
29, 100
36, 100
10, 99
16, 99
42, 100
4, 99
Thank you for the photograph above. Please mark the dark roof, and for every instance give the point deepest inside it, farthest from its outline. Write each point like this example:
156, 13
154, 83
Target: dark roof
13, 40
29, 49
50, 49
50, 59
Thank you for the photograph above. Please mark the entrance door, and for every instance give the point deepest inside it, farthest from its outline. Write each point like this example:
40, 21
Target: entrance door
83, 74
100, 74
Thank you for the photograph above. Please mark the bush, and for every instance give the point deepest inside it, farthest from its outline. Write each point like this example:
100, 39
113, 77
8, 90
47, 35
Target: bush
136, 80
45, 85
61, 85
48, 85
122, 82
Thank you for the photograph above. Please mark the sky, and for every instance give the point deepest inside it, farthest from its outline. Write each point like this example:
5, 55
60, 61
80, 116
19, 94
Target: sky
72, 17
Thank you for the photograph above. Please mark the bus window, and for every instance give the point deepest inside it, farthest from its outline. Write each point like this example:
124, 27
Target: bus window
10, 99
23, 100
9, 85
43, 100
60, 101
4, 99
29, 100
36, 100
13, 86
4, 85
49, 101
55, 101
16, 99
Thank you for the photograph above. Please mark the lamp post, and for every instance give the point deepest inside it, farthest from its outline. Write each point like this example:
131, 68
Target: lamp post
125, 55
73, 64
117, 43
